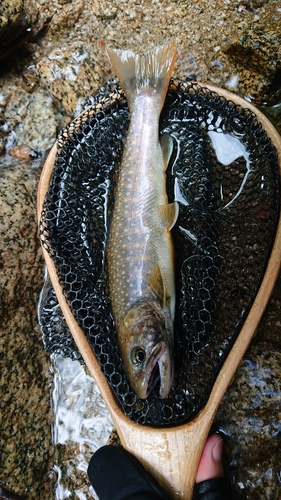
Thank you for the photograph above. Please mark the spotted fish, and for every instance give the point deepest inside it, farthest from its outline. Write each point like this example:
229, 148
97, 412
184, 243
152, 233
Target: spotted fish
140, 248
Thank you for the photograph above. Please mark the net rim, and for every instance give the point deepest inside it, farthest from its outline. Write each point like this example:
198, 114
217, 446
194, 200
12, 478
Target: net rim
79, 337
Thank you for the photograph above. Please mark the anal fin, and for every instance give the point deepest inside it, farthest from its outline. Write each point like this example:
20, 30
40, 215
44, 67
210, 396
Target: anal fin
168, 214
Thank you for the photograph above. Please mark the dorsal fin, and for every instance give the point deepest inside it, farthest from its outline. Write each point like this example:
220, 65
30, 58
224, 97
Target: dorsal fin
168, 213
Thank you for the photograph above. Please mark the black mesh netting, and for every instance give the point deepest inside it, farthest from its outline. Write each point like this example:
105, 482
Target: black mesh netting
223, 237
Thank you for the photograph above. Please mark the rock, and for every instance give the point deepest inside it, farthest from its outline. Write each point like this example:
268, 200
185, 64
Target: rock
30, 80
8, 495
260, 53
22, 20
248, 417
65, 15
13, 22
258, 50
273, 113
71, 73
26, 444
17, 19
249, 413
105, 10
25, 114
22, 152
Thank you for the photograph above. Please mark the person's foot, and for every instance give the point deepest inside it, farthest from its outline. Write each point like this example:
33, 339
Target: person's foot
210, 465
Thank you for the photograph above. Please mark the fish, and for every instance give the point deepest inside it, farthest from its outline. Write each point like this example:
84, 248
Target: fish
140, 254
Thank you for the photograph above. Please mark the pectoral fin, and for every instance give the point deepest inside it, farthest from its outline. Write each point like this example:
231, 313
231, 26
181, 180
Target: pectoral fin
168, 213
167, 149
157, 285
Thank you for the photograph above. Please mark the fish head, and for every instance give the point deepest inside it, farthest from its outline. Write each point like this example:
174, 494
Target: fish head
146, 348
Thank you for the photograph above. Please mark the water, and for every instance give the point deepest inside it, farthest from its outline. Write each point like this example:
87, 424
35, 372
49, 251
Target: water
229, 148
82, 424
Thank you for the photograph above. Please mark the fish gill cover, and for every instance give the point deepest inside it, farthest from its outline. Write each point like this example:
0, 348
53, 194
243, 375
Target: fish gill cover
229, 205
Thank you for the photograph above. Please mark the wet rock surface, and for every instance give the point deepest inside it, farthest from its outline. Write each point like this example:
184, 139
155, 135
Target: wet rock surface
261, 52
26, 445
14, 24
69, 73
53, 57
251, 426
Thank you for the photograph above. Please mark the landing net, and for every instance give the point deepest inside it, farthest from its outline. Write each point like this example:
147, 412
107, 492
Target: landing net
229, 205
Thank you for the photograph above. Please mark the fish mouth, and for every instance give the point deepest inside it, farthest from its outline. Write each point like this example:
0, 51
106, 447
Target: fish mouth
159, 369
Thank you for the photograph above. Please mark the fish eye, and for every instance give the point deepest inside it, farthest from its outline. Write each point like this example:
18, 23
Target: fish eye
138, 355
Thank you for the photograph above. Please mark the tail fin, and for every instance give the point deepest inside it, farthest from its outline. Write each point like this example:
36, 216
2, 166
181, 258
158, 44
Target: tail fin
143, 73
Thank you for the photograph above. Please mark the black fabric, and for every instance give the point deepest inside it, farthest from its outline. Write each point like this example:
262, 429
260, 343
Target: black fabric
213, 489
115, 474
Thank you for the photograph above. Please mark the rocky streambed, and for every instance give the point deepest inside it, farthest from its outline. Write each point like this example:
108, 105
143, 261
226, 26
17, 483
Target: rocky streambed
53, 58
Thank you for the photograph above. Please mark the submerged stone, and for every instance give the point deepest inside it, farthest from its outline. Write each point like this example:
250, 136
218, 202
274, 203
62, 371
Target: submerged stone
26, 444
